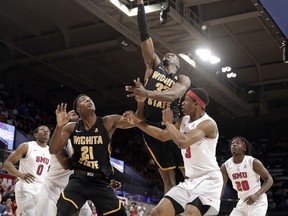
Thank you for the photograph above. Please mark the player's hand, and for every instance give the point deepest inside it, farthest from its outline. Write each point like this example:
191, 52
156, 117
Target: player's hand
115, 184
167, 116
61, 115
137, 90
29, 178
251, 199
130, 117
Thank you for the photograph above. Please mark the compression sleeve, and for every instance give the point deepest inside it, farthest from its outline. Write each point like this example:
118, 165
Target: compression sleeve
142, 23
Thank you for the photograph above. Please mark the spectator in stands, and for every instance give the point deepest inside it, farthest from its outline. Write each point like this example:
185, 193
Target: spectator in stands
245, 171
3, 208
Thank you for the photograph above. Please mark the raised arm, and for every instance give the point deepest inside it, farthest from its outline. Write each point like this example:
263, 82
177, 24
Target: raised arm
205, 129
62, 131
169, 95
153, 131
151, 60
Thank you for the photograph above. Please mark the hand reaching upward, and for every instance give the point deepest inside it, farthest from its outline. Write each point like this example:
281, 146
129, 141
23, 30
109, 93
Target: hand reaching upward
61, 115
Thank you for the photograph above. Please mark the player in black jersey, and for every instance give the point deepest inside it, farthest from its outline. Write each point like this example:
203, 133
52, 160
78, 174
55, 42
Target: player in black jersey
163, 88
90, 138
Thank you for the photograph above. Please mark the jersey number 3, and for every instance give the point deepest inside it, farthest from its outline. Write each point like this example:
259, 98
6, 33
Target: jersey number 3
188, 153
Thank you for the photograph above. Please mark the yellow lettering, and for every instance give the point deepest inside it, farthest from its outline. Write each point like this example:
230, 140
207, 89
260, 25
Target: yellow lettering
87, 140
155, 75
150, 101
91, 164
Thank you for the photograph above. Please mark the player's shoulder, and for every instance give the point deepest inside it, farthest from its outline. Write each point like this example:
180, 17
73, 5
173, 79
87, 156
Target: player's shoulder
184, 80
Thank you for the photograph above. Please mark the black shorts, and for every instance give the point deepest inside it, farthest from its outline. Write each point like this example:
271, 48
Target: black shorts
167, 155
82, 188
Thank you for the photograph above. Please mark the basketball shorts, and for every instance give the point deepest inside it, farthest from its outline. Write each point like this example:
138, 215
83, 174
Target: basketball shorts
82, 188
257, 208
207, 188
167, 155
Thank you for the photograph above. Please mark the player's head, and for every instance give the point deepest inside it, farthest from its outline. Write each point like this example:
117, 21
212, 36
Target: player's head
195, 99
83, 102
170, 60
42, 133
240, 145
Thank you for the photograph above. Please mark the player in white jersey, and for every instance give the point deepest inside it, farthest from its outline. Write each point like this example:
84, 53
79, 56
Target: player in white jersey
245, 171
34, 160
196, 134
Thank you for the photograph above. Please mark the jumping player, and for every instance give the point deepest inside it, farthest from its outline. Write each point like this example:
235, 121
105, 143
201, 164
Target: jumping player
163, 88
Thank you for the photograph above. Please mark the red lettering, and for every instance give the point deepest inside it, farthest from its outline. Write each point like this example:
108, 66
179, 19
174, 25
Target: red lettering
40, 159
239, 175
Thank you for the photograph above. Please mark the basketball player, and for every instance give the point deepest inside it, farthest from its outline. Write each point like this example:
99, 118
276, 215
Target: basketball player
34, 160
245, 171
90, 138
56, 180
196, 134
163, 88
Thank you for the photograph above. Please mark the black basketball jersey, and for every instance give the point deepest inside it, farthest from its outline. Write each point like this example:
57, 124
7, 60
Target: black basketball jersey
160, 80
91, 149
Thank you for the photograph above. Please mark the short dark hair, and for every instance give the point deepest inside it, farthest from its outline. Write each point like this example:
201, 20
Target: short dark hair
37, 129
247, 143
202, 94
75, 103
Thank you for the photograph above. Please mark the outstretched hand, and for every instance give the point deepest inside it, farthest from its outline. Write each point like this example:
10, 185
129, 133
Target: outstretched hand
138, 90
167, 116
61, 115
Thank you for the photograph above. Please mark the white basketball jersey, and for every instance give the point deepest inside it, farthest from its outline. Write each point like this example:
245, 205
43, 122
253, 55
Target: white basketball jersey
36, 162
199, 158
244, 179
56, 173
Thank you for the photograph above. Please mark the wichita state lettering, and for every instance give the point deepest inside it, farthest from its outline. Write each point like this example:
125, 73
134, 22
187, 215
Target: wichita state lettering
160, 80
83, 140
165, 84
91, 148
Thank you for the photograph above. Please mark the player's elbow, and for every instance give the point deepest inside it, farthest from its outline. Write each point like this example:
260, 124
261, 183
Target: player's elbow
4, 165
182, 143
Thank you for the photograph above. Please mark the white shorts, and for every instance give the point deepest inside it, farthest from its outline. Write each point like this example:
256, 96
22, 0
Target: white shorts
207, 188
26, 196
50, 194
46, 205
258, 208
